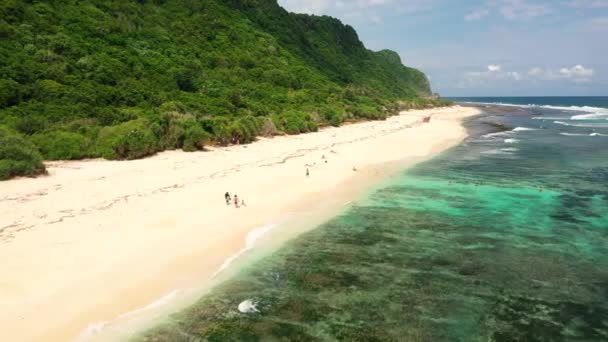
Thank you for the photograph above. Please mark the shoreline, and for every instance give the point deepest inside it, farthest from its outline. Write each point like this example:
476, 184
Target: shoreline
81, 242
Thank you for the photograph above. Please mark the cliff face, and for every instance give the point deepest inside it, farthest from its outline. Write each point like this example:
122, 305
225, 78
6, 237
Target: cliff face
77, 76
335, 50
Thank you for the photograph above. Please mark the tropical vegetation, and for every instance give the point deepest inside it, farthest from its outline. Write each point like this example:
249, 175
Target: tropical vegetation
123, 79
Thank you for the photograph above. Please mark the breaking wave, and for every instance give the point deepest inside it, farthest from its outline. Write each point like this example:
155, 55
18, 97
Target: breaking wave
584, 135
590, 125
250, 242
592, 116
587, 109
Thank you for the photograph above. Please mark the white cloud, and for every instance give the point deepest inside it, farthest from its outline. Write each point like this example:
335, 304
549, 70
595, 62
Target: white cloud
577, 72
515, 75
522, 9
477, 14
597, 24
495, 74
535, 72
376, 19
511, 10
588, 3
494, 68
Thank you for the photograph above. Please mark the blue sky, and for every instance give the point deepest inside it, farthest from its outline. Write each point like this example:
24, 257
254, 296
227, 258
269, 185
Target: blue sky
486, 47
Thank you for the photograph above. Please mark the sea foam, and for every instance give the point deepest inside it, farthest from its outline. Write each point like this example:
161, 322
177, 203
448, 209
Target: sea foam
588, 109
592, 116
574, 108
496, 134
248, 306
97, 327
521, 129
590, 125
584, 135
550, 118
250, 241
495, 152
500, 153
574, 134
508, 133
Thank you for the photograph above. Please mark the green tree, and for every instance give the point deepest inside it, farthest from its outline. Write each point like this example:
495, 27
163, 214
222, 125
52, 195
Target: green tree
18, 156
129, 140
62, 145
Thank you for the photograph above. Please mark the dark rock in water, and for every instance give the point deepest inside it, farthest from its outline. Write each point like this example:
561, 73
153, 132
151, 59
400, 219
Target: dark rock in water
499, 127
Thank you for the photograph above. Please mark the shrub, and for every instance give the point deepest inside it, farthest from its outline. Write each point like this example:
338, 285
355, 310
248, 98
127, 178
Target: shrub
112, 116
267, 127
172, 136
294, 122
367, 112
60, 145
247, 129
48, 89
219, 127
30, 124
129, 140
169, 129
9, 93
195, 137
332, 116
18, 157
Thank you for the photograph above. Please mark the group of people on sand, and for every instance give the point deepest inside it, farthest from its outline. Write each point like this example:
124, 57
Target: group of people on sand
235, 200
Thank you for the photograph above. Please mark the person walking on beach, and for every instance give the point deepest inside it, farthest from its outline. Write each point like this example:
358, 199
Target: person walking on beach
307, 172
227, 198
236, 201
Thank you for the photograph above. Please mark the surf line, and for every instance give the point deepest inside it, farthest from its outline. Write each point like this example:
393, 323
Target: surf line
250, 242
97, 327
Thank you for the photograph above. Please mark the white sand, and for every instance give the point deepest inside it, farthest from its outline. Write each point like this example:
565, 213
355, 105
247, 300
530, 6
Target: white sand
96, 239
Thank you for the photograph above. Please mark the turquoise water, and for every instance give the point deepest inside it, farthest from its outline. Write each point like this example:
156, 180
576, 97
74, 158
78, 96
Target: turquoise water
502, 238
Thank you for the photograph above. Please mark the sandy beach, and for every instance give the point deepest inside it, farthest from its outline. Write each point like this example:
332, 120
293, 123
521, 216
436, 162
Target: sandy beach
96, 239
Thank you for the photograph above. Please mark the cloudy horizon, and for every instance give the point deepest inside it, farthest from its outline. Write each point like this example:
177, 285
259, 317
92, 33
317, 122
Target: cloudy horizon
486, 47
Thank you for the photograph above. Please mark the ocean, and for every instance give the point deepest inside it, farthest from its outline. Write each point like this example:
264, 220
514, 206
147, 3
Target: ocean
501, 238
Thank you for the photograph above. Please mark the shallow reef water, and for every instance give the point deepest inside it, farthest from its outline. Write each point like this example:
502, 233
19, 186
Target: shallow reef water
468, 246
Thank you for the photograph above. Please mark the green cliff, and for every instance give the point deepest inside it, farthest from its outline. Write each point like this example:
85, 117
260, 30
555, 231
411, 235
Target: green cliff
125, 79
